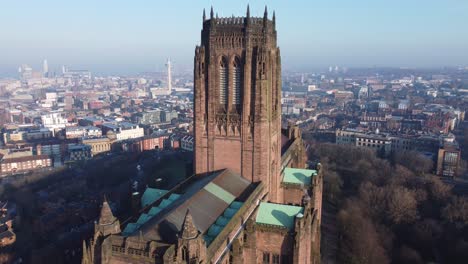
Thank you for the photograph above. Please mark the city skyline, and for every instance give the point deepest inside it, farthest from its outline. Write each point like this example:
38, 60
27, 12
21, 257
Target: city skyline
127, 38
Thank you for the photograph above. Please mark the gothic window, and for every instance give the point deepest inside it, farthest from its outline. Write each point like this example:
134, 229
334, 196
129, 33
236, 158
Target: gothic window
276, 259
223, 82
266, 258
237, 82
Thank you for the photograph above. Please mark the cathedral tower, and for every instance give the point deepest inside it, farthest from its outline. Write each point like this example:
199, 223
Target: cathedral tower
237, 98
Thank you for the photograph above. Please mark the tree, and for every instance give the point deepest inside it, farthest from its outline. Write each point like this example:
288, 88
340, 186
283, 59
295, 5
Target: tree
457, 211
402, 205
439, 190
360, 243
332, 185
408, 255
414, 161
373, 199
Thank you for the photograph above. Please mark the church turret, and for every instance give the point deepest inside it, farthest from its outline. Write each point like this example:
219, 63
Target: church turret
274, 19
88, 257
107, 224
189, 230
265, 17
191, 247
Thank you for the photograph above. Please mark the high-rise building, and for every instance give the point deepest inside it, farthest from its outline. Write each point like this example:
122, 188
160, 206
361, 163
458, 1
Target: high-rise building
25, 71
252, 198
45, 69
169, 76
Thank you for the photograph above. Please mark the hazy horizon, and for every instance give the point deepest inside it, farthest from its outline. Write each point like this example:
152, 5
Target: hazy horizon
127, 37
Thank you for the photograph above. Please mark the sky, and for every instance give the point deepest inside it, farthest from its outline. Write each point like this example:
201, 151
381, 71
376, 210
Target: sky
131, 36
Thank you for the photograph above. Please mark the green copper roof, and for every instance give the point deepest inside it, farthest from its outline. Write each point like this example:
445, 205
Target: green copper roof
278, 214
173, 197
298, 176
151, 195
219, 192
143, 219
132, 227
154, 210
222, 221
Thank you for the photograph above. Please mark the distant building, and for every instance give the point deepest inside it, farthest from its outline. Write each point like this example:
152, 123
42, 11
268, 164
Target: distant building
75, 74
79, 132
387, 143
152, 142
16, 152
25, 163
311, 88
54, 121
26, 135
448, 160
80, 152
98, 145
96, 104
45, 69
15, 116
26, 72
148, 117
363, 92
90, 121
57, 149
167, 116
123, 130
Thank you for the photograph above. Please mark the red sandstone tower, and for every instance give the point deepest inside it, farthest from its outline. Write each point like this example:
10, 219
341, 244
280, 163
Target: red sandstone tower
237, 98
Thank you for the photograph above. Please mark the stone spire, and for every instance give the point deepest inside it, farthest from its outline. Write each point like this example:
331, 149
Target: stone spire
108, 223
265, 17
248, 11
211, 13
274, 18
204, 15
87, 256
106, 217
189, 230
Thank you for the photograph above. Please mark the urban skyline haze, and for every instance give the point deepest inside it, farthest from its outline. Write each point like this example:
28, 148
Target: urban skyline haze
126, 37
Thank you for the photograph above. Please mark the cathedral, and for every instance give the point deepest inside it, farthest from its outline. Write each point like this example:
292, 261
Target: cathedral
252, 198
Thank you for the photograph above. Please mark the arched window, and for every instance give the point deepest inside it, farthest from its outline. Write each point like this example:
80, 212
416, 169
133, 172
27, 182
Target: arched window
223, 82
185, 254
236, 82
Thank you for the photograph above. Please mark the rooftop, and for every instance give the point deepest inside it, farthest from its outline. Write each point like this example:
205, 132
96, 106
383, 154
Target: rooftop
280, 215
151, 195
298, 176
218, 191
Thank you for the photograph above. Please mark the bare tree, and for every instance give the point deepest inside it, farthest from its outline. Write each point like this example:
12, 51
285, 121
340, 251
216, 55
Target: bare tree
402, 205
457, 211
360, 242
439, 190
408, 255
414, 161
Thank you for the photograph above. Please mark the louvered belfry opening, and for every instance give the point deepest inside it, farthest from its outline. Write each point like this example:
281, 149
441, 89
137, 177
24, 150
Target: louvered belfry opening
236, 82
223, 83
